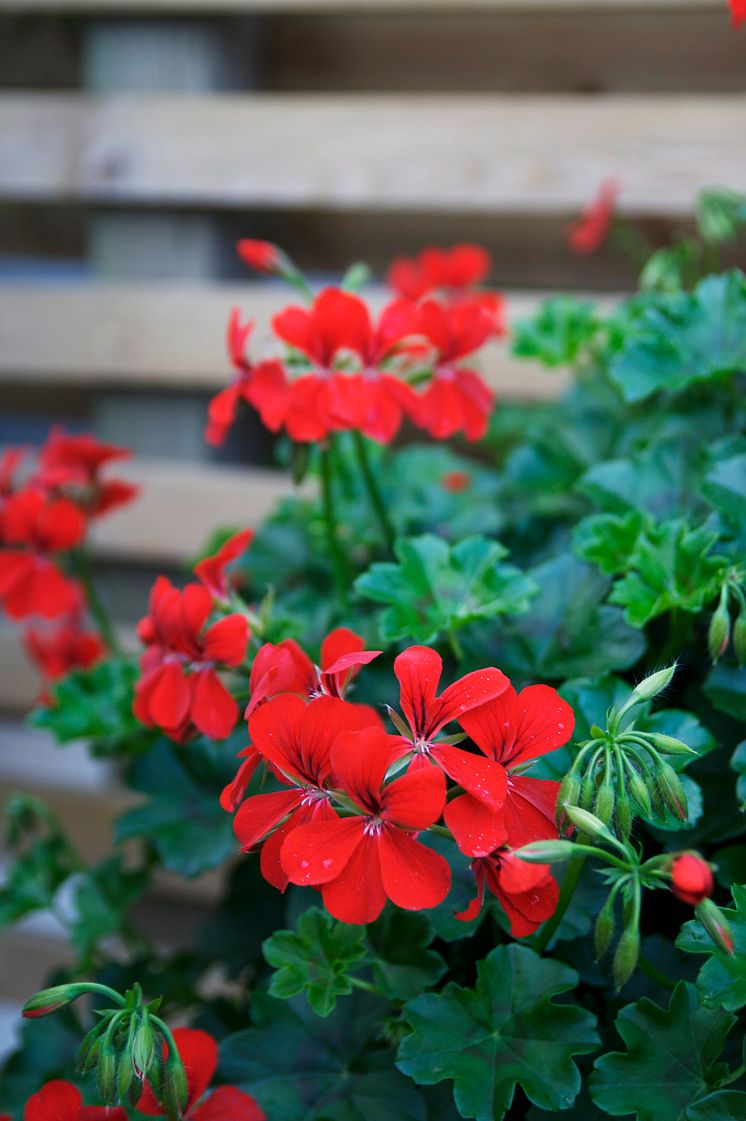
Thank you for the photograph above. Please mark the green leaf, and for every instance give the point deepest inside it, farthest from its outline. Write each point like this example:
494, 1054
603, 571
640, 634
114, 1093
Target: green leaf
607, 540
436, 588
669, 567
725, 685
722, 979
562, 327
322, 1070
182, 817
725, 486
504, 1032
44, 859
723, 1105
720, 212
670, 1062
102, 898
738, 763
402, 965
683, 338
96, 704
661, 480
314, 959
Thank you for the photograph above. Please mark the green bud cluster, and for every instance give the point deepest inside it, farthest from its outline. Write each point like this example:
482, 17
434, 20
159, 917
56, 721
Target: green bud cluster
728, 621
125, 1048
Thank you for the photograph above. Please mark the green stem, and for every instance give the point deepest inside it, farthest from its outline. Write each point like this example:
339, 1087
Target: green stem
441, 831
104, 990
655, 973
358, 983
339, 567
680, 624
374, 491
570, 882
82, 570
733, 1076
456, 647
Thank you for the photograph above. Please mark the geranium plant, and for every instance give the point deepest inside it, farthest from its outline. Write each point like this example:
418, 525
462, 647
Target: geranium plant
462, 727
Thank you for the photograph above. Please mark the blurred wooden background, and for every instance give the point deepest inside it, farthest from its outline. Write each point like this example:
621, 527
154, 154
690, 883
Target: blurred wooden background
140, 138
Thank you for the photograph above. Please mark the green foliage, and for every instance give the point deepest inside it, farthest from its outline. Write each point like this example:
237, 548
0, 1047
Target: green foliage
722, 979
182, 817
436, 589
101, 900
504, 1032
558, 333
402, 965
684, 338
44, 859
671, 1062
315, 960
96, 705
302, 1069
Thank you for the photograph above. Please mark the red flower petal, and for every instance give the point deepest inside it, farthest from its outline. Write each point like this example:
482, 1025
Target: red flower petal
357, 895
415, 800
233, 793
56, 1101
213, 709
529, 810
228, 1104
414, 877
170, 697
258, 816
226, 640
482, 778
515, 727
359, 762
475, 906
317, 853
476, 829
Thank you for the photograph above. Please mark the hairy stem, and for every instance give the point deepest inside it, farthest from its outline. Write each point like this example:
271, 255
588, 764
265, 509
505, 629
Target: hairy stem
570, 882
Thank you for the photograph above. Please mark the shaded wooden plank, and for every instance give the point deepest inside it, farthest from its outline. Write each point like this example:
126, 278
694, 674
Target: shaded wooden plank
172, 337
499, 154
210, 7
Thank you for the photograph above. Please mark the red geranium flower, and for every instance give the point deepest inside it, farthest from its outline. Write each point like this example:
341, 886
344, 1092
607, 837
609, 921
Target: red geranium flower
260, 255
66, 647
691, 878
198, 1052
513, 729
212, 571
61, 1101
361, 861
30, 581
263, 386
10, 461
527, 892
76, 461
592, 228
738, 12
180, 687
456, 400
295, 739
459, 268
418, 671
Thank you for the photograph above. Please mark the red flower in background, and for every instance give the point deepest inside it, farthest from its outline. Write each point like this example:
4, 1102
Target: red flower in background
738, 12
33, 526
198, 1052
418, 671
453, 270
76, 461
263, 386
527, 892
512, 729
456, 399
260, 255
295, 739
359, 862
179, 688
691, 878
213, 570
66, 647
10, 460
61, 1101
591, 230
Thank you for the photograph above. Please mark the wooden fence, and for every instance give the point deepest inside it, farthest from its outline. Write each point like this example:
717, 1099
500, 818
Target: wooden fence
138, 138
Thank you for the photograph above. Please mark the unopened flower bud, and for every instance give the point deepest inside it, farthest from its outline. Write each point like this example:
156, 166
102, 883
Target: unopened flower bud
623, 817
718, 634
712, 919
588, 823
88, 1053
639, 791
125, 1077
603, 807
50, 1000
143, 1048
569, 794
669, 745
691, 878
654, 684
604, 931
106, 1073
626, 955
671, 790
739, 637
174, 1090
546, 852
588, 791
260, 255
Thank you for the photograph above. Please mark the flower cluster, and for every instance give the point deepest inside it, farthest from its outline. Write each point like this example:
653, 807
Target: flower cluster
343, 369
180, 690
62, 1101
354, 797
45, 514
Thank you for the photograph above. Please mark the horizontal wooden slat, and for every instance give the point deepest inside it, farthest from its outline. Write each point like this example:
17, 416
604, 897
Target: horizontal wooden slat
172, 337
488, 154
210, 7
